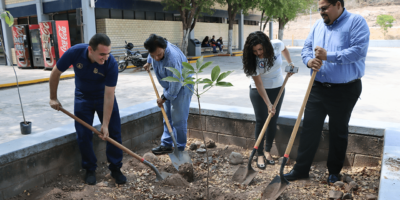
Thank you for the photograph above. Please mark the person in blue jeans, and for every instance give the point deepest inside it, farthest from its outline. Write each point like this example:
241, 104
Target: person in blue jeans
207, 43
176, 97
216, 43
96, 75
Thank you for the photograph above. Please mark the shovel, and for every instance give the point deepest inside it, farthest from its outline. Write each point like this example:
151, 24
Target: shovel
159, 176
177, 157
245, 174
278, 184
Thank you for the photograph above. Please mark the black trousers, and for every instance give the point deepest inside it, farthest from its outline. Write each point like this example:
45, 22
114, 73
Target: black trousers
261, 113
337, 102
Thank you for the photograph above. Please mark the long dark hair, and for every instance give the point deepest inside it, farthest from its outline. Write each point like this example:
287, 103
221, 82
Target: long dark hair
249, 59
205, 40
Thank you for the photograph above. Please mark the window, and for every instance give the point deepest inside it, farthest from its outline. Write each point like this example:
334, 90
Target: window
129, 14
160, 16
150, 15
102, 13
178, 18
139, 15
33, 20
169, 17
116, 14
200, 19
23, 20
63, 16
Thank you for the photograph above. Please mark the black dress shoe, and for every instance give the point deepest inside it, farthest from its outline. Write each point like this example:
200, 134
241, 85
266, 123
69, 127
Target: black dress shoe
118, 176
333, 178
292, 175
162, 150
261, 166
90, 177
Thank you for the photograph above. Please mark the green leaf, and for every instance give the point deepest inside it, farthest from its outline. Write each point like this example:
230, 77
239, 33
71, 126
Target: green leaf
205, 66
206, 80
215, 73
187, 66
199, 62
223, 75
175, 72
185, 73
186, 82
11, 19
170, 79
224, 84
206, 86
8, 18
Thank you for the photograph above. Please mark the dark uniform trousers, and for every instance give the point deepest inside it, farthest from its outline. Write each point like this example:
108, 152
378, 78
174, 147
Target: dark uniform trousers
337, 101
84, 109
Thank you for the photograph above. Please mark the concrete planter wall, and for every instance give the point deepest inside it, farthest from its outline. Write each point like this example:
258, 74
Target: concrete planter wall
38, 159
364, 147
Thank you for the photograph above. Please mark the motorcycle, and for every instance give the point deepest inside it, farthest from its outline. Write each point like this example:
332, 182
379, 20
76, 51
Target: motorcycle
136, 58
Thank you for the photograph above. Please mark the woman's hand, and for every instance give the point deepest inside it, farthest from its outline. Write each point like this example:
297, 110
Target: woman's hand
271, 109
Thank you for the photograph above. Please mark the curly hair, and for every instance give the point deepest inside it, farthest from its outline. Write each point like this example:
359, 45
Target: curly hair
249, 59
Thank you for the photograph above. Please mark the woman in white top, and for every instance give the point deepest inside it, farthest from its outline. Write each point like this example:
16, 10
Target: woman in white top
262, 60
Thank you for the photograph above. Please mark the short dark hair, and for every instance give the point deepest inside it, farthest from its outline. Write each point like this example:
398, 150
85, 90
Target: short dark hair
155, 41
99, 38
335, 1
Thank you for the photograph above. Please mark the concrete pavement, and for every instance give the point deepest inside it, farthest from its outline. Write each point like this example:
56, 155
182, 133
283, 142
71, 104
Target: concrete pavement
379, 100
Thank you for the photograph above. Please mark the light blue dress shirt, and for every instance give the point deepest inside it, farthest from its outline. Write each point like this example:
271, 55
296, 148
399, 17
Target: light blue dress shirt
346, 42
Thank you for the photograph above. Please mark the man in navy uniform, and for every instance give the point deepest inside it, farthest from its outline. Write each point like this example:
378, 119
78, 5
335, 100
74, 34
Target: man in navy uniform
96, 75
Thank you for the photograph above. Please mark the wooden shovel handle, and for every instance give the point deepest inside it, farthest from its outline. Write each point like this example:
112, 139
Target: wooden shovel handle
100, 134
162, 108
270, 116
296, 126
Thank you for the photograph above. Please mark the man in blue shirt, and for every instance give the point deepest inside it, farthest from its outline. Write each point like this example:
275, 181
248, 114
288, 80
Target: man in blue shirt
96, 75
176, 97
336, 47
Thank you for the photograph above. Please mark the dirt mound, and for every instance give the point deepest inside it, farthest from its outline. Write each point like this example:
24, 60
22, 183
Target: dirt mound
175, 180
186, 171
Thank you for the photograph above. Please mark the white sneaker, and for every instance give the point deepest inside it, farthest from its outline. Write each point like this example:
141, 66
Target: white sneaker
222, 51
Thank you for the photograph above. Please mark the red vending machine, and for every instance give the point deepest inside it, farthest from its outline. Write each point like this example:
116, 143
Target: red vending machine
22, 46
36, 46
55, 41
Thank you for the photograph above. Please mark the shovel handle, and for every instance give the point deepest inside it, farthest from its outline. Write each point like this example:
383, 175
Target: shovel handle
110, 140
162, 108
270, 116
296, 126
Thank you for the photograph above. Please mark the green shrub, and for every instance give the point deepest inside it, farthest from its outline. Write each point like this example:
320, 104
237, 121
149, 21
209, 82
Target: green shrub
385, 22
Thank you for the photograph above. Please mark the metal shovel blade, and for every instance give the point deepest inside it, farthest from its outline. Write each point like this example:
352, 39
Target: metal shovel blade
245, 174
179, 158
276, 186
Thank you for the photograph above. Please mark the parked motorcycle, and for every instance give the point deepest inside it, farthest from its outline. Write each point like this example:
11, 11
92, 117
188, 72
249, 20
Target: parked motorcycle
136, 58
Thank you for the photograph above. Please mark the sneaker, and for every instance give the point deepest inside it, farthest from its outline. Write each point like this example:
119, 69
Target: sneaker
333, 178
118, 176
162, 150
90, 177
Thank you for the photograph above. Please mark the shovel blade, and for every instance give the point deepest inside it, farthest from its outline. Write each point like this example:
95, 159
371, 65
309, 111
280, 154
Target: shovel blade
274, 189
179, 158
162, 176
244, 175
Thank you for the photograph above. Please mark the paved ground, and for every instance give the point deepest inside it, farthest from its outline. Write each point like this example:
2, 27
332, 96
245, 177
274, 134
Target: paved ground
379, 99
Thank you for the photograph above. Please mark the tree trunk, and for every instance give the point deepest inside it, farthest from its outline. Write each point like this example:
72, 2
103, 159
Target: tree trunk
185, 40
281, 28
265, 24
262, 16
231, 15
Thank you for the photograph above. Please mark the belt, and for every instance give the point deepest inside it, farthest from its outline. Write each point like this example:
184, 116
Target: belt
328, 85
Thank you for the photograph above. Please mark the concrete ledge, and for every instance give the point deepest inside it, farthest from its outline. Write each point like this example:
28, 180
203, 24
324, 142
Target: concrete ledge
23, 162
372, 43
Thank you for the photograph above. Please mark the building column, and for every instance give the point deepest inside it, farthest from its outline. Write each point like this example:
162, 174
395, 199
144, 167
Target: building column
7, 36
241, 31
39, 11
89, 20
271, 31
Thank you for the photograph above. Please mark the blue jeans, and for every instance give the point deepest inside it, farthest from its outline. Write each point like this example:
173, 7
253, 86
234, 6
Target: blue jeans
177, 112
84, 109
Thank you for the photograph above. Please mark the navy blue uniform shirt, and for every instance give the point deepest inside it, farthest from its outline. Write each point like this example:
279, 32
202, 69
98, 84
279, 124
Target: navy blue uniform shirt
90, 78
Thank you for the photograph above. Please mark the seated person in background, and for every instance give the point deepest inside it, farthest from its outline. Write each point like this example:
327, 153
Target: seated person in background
206, 43
214, 43
219, 41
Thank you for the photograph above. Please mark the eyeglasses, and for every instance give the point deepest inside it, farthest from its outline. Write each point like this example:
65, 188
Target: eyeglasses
323, 9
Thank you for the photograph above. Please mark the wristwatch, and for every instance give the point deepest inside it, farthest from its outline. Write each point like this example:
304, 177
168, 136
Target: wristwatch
163, 97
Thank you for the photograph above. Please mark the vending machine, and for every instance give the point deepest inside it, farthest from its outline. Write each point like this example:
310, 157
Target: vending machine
55, 41
22, 46
36, 46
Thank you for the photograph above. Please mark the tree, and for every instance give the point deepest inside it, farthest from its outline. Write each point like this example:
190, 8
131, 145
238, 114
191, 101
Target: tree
190, 11
283, 11
184, 79
385, 22
234, 7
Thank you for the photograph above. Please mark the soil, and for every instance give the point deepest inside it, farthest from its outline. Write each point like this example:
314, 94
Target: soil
142, 181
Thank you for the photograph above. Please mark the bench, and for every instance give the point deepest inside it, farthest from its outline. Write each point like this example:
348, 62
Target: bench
209, 49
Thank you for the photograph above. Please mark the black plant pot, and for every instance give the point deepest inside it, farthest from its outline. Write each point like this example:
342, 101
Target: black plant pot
26, 128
